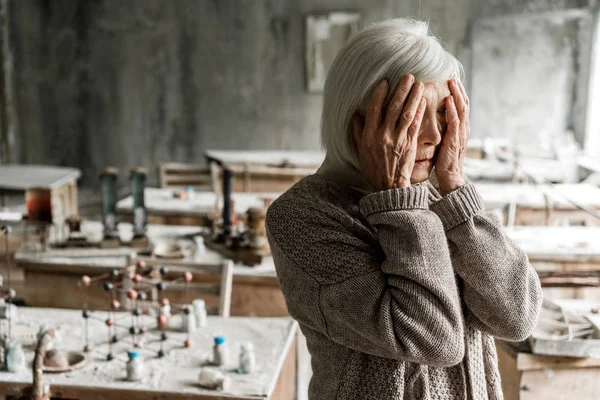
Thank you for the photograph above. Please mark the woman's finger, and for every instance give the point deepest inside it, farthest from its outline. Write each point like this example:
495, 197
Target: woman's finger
457, 131
459, 102
373, 115
409, 111
395, 107
463, 92
452, 118
415, 127
406, 164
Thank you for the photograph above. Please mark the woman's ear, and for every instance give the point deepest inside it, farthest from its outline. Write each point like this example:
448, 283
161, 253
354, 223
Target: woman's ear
358, 124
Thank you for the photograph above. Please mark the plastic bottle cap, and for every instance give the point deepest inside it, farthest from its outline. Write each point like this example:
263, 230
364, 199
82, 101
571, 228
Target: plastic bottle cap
219, 340
133, 354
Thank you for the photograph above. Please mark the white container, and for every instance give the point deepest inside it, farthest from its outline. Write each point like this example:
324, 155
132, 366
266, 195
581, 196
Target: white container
15, 357
200, 246
190, 192
247, 358
7, 310
135, 366
211, 378
220, 351
199, 307
188, 321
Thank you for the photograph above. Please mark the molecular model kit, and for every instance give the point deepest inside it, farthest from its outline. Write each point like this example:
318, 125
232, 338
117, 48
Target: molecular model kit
139, 291
139, 312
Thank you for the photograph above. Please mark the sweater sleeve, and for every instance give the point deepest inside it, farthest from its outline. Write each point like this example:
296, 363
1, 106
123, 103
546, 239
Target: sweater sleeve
499, 287
403, 306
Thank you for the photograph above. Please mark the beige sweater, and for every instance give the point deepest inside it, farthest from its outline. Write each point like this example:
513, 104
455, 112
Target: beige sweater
400, 293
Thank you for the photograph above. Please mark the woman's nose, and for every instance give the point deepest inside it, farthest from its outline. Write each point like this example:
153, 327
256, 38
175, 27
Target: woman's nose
430, 134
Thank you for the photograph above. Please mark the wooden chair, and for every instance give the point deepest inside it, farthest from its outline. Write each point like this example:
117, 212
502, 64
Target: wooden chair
221, 288
181, 175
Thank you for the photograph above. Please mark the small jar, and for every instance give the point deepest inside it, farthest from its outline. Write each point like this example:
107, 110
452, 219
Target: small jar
200, 312
135, 366
188, 320
247, 358
220, 351
200, 246
14, 356
257, 234
190, 192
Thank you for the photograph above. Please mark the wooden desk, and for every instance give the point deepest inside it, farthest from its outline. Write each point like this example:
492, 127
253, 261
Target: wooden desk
255, 289
527, 376
534, 204
254, 170
173, 377
566, 258
61, 181
478, 148
164, 209
504, 171
281, 158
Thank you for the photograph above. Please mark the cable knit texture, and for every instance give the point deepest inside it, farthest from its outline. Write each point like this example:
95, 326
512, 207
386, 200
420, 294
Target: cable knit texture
400, 293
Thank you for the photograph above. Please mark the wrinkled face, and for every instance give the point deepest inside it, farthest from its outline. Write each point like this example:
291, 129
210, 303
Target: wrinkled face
432, 130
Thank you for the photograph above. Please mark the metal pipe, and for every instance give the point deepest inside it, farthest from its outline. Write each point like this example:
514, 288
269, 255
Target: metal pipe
138, 183
108, 184
227, 209
39, 391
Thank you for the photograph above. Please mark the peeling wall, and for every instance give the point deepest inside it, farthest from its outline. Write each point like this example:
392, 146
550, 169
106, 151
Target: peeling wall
136, 82
529, 77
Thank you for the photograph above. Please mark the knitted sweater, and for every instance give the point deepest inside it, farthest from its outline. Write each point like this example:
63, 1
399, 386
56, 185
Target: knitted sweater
400, 293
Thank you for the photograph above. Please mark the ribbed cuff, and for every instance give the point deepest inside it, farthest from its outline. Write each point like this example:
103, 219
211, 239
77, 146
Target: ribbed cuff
458, 206
414, 197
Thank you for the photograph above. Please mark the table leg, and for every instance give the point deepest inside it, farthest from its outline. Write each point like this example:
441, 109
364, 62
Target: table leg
286, 384
304, 372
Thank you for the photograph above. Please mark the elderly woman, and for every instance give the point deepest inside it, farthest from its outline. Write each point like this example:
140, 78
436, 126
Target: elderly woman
385, 257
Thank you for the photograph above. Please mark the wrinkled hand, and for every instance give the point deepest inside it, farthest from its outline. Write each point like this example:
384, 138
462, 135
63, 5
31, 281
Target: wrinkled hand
449, 163
386, 143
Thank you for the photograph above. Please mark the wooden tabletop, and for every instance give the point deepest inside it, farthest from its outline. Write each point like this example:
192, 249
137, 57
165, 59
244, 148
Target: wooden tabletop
554, 243
12, 215
162, 202
591, 164
96, 260
478, 169
289, 158
499, 195
267, 157
173, 377
22, 177
495, 170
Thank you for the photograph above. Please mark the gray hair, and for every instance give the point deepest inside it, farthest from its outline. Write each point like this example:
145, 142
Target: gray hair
386, 50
